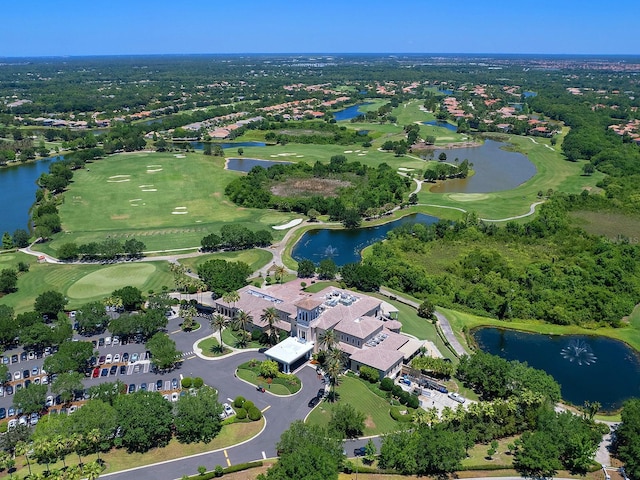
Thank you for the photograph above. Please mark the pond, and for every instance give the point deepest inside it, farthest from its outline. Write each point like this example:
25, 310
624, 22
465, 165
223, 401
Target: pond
529, 94
246, 164
349, 113
344, 246
438, 123
586, 367
18, 192
495, 169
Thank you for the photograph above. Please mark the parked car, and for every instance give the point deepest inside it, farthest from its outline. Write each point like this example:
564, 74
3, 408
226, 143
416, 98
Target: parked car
17, 376
123, 369
49, 402
35, 371
228, 411
23, 357
132, 387
113, 370
108, 359
313, 402
159, 385
9, 390
13, 423
102, 359
125, 357
101, 342
116, 358
115, 341
14, 358
174, 383
12, 411
104, 372
3, 413
359, 452
321, 393
26, 373
143, 386
457, 397
134, 357
96, 372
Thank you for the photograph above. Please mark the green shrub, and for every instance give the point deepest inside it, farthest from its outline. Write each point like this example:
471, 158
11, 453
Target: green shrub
198, 382
241, 413
369, 374
248, 404
186, 382
218, 471
239, 401
400, 417
242, 466
254, 414
386, 384
404, 397
255, 335
414, 401
396, 390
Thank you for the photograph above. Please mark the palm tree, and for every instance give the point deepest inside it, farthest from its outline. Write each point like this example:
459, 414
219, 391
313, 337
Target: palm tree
95, 438
329, 339
73, 473
241, 321
271, 317
231, 298
7, 462
335, 364
218, 322
45, 450
75, 441
92, 470
187, 312
60, 447
280, 272
22, 448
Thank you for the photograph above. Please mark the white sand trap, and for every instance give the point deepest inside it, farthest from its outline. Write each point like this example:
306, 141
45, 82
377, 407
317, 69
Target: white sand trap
292, 223
402, 169
154, 170
119, 181
145, 186
154, 166
299, 156
348, 151
134, 205
135, 200
179, 208
119, 176
357, 151
198, 221
274, 156
179, 155
181, 212
150, 190
361, 154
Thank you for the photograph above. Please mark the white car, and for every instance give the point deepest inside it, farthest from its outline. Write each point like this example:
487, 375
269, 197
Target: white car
228, 411
49, 402
115, 341
116, 358
109, 359
17, 376
174, 397
107, 341
72, 409
457, 397
13, 423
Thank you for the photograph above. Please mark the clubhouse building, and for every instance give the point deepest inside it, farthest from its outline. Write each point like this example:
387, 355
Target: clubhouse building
366, 327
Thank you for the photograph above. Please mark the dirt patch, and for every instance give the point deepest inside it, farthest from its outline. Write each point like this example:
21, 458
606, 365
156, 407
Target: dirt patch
119, 217
296, 187
369, 423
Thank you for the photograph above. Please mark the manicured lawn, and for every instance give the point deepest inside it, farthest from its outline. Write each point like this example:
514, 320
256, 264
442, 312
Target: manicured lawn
162, 199
320, 285
255, 258
83, 283
353, 391
477, 455
211, 347
229, 338
120, 459
281, 385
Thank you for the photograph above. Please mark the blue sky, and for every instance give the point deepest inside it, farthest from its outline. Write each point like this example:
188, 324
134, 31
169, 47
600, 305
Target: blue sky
75, 27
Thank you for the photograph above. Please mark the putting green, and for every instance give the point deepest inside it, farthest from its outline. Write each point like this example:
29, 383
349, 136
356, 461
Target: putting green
468, 197
106, 280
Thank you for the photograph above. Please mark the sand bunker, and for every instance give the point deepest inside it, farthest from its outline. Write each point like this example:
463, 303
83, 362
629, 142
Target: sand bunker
179, 208
119, 181
290, 224
362, 154
179, 155
299, 156
146, 186
181, 212
119, 176
135, 200
154, 166
287, 154
403, 169
348, 151
154, 170
149, 189
468, 197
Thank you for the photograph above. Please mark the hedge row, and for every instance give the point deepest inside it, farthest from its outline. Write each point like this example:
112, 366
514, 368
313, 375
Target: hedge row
400, 417
233, 468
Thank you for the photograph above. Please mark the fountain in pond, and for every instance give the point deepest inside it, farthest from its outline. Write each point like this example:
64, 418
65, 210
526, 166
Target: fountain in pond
579, 352
330, 251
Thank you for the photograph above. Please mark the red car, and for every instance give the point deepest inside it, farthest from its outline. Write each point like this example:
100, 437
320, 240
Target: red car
96, 372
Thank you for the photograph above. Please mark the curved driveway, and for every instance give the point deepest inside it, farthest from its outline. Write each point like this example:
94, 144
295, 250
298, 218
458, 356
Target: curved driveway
279, 412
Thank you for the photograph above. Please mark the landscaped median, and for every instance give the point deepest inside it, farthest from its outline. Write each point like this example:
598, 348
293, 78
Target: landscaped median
266, 375
210, 347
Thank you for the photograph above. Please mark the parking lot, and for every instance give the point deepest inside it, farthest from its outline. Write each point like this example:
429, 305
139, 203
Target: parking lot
128, 363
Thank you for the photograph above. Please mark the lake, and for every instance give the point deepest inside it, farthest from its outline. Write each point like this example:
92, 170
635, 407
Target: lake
349, 113
587, 367
437, 123
246, 164
494, 169
344, 246
18, 192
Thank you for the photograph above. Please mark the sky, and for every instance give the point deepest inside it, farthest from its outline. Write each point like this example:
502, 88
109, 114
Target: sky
132, 27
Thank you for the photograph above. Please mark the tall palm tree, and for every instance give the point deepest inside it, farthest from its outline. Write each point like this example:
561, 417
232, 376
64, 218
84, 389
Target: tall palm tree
73, 473
334, 365
188, 312
22, 448
92, 470
271, 317
60, 447
329, 339
218, 322
231, 298
94, 437
75, 443
241, 321
280, 272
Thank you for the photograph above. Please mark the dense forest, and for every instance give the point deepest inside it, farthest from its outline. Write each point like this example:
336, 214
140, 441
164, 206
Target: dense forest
545, 269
